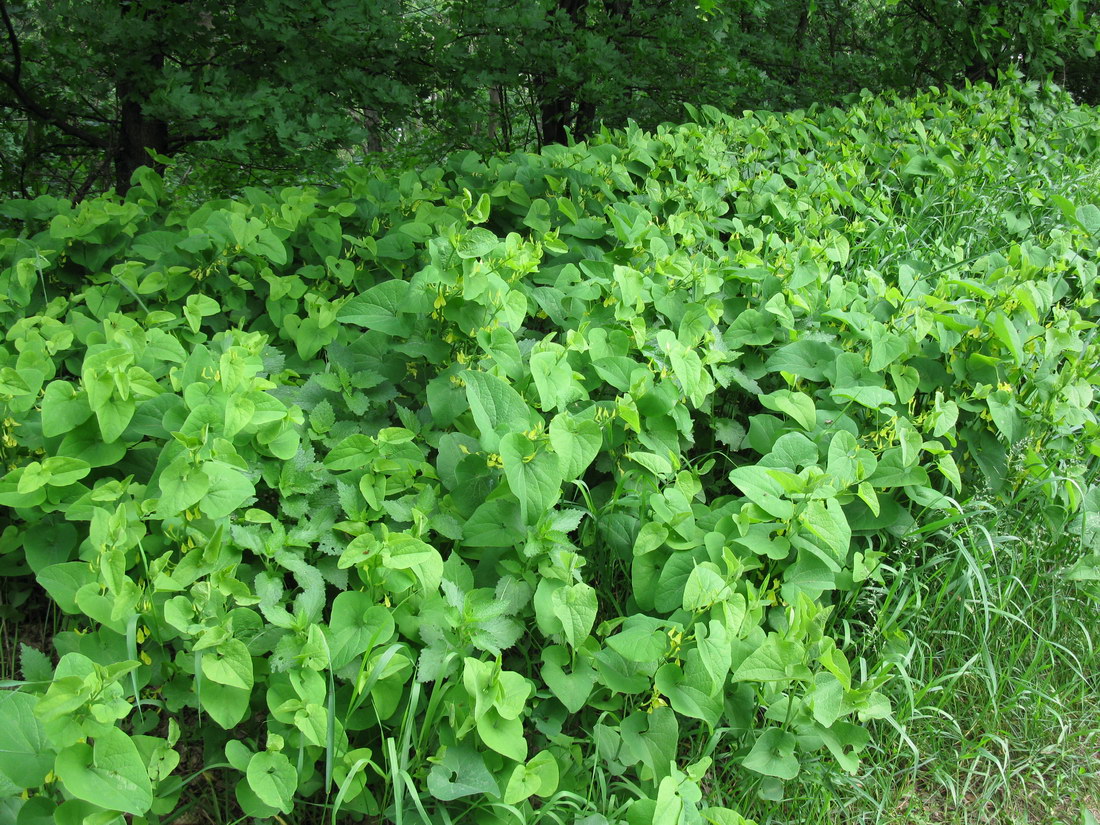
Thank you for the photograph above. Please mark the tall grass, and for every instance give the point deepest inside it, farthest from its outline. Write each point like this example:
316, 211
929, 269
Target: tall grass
996, 688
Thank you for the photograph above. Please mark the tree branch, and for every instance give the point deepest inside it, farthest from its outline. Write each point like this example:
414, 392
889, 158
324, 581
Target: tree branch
13, 81
33, 107
16, 52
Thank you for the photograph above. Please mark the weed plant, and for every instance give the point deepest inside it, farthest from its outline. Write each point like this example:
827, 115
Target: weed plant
741, 468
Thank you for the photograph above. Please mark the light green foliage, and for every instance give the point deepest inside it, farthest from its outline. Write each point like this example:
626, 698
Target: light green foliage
435, 499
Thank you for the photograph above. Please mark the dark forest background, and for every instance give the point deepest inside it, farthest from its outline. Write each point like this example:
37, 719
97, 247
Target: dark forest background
225, 94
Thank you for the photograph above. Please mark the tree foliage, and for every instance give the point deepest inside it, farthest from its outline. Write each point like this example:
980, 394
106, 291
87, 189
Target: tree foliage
277, 91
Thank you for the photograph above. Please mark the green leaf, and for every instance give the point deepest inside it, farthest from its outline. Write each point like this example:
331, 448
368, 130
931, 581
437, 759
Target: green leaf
267, 244
225, 704
894, 471
198, 307
804, 359
34, 477
886, 348
826, 520
505, 736
773, 755
496, 523
1089, 217
380, 308
797, 405
239, 410
1002, 409
182, 485
406, 552
228, 489
229, 664
575, 607
554, 380
114, 417
461, 772
689, 690
660, 467
497, 408
640, 642
539, 777
871, 397
476, 243
273, 779
704, 587
357, 624
792, 451
534, 476
1086, 569
810, 575
577, 441
763, 490
25, 754
110, 773
921, 166
63, 581
10, 495
538, 216
322, 417
845, 741
571, 689
776, 660
63, 408
62, 471
34, 664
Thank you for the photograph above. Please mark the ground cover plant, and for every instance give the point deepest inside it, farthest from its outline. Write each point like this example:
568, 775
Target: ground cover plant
539, 486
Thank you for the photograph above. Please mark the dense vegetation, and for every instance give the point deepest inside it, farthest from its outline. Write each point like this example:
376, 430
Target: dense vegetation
270, 92
579, 483
403, 417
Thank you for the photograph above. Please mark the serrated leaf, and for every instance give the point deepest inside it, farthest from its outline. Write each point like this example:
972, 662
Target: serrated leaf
34, 665
322, 417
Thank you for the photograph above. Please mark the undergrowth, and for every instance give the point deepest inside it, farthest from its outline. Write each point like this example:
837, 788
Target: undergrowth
740, 469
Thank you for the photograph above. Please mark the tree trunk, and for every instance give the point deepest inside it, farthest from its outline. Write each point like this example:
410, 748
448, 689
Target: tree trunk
553, 113
137, 131
494, 113
800, 42
557, 100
